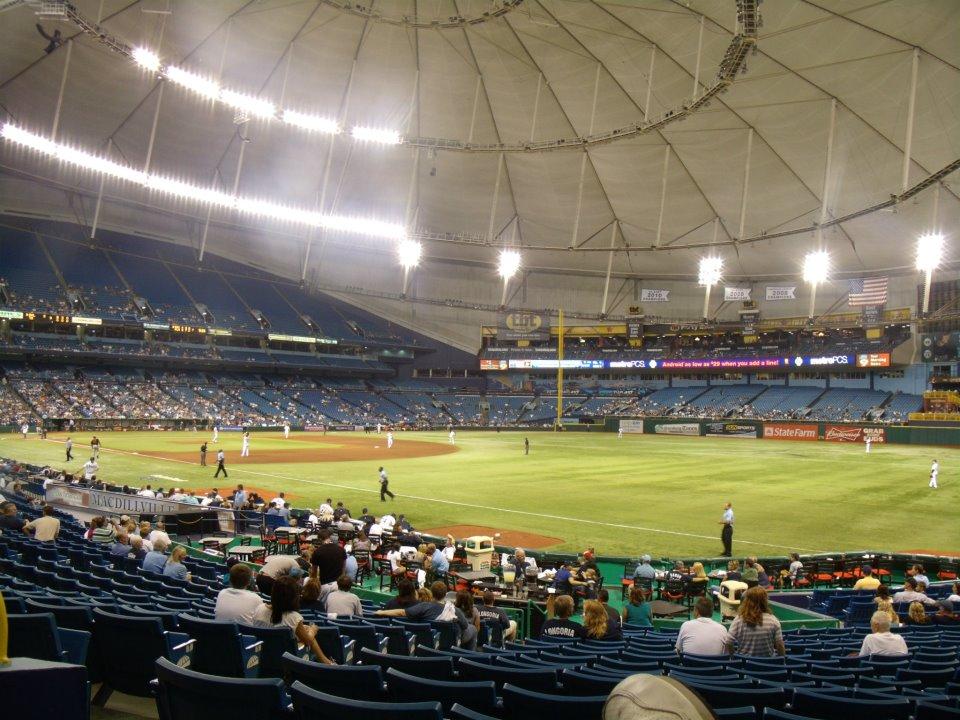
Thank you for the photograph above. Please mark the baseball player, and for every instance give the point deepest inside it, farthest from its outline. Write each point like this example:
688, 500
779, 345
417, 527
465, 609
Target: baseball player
245, 450
286, 430
384, 485
452, 436
389, 440
934, 471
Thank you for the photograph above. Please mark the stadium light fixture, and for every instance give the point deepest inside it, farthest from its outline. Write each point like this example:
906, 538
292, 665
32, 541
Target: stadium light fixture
409, 252
711, 270
507, 267
193, 82
816, 266
929, 254
197, 193
254, 106
313, 123
375, 135
146, 58
509, 264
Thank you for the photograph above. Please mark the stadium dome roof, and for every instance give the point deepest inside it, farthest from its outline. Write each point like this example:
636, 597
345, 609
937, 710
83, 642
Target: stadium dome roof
483, 93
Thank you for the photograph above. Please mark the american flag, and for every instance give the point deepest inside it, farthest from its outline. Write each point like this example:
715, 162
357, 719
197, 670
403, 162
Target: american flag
868, 291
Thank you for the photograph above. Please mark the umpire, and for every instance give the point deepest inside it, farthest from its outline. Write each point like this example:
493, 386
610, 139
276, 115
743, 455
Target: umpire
203, 455
726, 534
384, 485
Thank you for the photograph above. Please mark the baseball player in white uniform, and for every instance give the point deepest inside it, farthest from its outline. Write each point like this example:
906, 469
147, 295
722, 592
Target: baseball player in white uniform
866, 441
453, 436
216, 433
389, 440
286, 430
24, 429
934, 471
245, 449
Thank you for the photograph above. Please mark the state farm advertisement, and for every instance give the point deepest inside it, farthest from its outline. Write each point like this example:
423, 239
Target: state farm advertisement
847, 433
785, 431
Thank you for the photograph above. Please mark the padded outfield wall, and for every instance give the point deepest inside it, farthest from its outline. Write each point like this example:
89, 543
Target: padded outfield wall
795, 430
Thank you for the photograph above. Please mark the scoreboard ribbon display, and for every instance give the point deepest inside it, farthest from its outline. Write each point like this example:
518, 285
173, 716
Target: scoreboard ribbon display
797, 362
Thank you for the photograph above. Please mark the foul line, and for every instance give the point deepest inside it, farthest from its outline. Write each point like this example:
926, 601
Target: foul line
463, 504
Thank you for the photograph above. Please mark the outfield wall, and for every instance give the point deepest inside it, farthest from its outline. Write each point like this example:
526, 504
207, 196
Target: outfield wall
795, 430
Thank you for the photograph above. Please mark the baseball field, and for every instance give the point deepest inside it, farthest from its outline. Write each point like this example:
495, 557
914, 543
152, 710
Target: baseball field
662, 495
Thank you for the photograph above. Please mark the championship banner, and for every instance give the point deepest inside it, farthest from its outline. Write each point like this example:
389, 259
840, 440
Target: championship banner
523, 326
847, 433
730, 429
735, 294
649, 295
677, 428
789, 431
782, 292
631, 426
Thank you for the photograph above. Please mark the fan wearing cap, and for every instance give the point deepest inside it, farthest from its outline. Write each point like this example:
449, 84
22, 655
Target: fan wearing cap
867, 581
277, 566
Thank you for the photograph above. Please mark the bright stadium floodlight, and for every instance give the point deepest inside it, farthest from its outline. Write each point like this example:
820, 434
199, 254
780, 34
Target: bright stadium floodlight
711, 270
929, 254
509, 263
147, 59
248, 104
409, 252
197, 193
375, 135
507, 267
816, 265
206, 87
313, 123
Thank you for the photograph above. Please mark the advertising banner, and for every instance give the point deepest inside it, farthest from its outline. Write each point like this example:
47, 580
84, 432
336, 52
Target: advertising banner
873, 360
631, 426
107, 503
523, 326
486, 364
677, 428
788, 431
733, 294
730, 429
848, 433
782, 292
649, 295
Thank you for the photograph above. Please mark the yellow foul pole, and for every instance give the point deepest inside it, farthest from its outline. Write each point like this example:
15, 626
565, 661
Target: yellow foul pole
560, 369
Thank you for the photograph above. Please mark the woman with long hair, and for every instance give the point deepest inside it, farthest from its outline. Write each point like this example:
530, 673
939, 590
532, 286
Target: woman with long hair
282, 612
917, 615
637, 611
464, 603
175, 567
597, 624
755, 629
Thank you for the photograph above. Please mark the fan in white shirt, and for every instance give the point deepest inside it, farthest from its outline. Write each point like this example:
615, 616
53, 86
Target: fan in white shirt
881, 641
387, 522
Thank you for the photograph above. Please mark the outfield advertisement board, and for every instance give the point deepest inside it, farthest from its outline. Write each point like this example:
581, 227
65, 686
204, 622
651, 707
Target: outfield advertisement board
730, 429
677, 428
631, 426
789, 431
849, 433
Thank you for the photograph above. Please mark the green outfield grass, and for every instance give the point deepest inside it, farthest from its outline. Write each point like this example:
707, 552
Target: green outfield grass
662, 495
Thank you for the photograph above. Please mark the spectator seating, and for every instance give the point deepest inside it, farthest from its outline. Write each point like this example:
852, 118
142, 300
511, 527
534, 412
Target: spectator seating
184, 694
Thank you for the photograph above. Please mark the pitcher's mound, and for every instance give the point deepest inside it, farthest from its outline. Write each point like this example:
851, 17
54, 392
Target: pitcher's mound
515, 538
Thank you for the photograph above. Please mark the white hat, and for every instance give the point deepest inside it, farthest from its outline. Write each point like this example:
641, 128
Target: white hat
654, 697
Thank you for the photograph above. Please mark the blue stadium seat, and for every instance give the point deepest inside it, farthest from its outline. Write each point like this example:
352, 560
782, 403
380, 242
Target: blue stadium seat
278, 641
129, 648
576, 682
360, 682
542, 680
727, 696
747, 712
188, 695
774, 714
520, 704
312, 705
365, 635
221, 649
928, 678
828, 706
436, 668
480, 695
37, 636
938, 710
459, 712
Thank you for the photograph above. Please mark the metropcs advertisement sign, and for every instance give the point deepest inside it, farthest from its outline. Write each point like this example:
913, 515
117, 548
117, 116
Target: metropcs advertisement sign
871, 360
